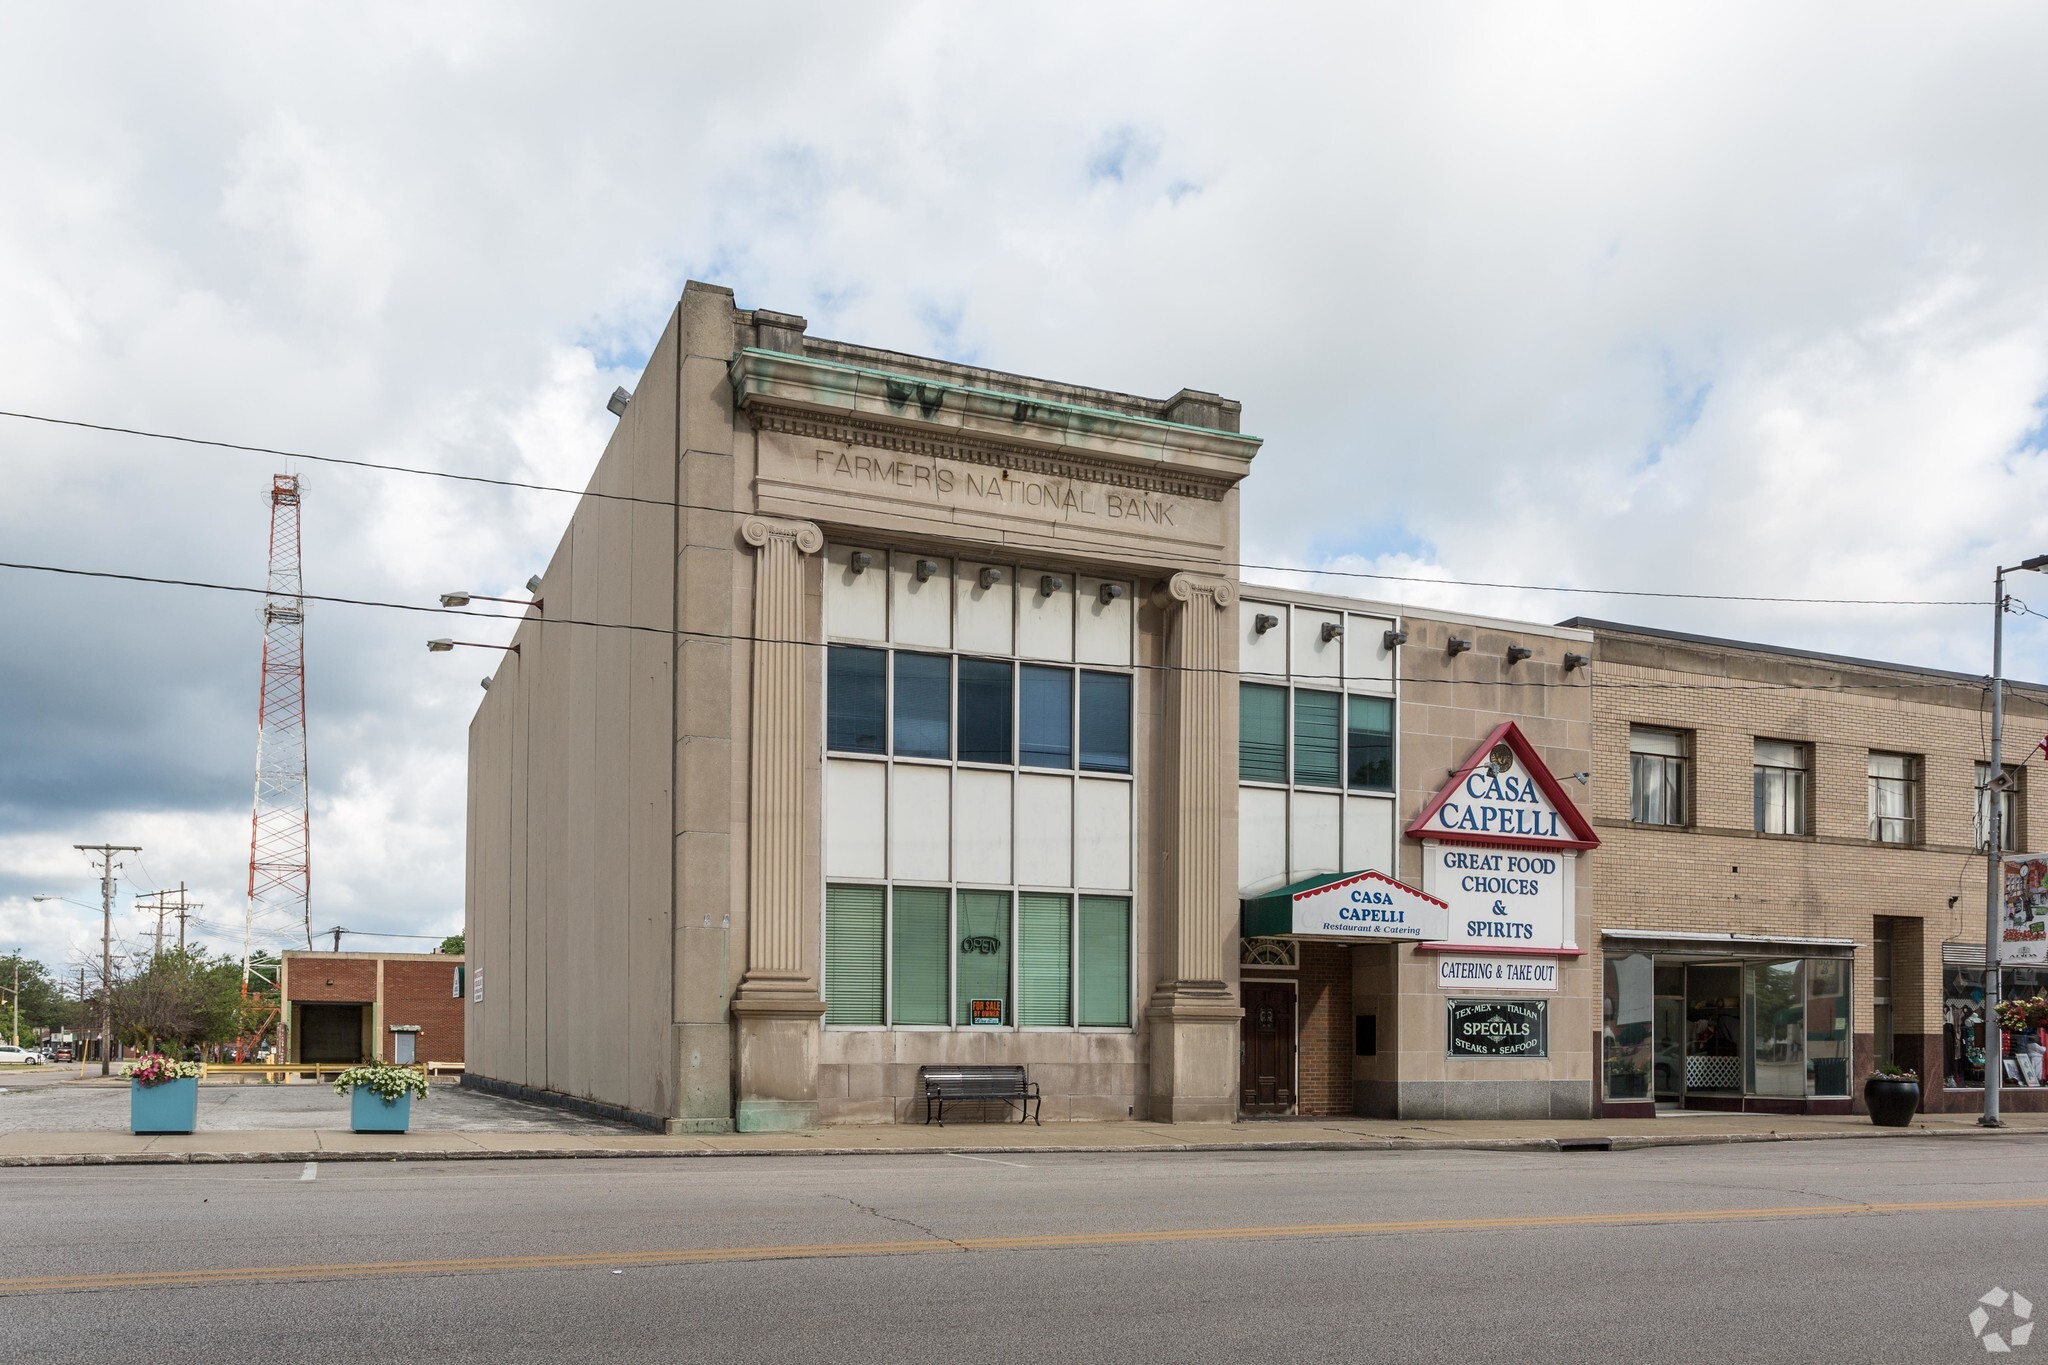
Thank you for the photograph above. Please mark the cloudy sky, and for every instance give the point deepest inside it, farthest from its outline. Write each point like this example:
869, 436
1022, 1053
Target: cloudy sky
1711, 299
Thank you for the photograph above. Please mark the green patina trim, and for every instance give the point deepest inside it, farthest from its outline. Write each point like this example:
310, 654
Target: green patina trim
998, 395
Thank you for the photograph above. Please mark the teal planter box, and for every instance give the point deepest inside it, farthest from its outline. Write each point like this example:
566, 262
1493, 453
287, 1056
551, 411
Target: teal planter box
172, 1107
370, 1112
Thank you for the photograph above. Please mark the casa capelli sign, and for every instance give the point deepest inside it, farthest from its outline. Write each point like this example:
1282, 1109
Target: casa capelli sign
1351, 906
1504, 794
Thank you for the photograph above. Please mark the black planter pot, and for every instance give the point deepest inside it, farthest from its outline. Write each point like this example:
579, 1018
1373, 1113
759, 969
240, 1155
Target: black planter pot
1893, 1100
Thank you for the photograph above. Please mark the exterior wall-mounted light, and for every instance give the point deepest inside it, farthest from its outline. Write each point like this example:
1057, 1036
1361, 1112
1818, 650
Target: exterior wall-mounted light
1264, 622
1456, 645
1517, 653
1394, 639
988, 578
1332, 631
485, 684
1572, 661
860, 561
533, 583
924, 569
1109, 592
1050, 583
617, 402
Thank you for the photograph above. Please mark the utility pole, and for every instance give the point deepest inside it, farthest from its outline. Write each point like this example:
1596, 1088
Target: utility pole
1994, 853
106, 854
183, 910
17, 999
338, 932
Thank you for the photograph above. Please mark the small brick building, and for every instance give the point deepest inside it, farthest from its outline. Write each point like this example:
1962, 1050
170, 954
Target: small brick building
350, 1007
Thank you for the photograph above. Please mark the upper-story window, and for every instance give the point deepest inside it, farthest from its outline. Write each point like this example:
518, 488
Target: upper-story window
1780, 787
2011, 810
979, 803
1659, 776
1894, 798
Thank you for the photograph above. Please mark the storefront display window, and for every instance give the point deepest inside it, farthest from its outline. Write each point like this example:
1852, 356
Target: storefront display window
1963, 1031
1677, 1028
1625, 1026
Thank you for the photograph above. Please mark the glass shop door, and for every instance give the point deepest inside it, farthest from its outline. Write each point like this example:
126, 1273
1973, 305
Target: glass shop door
1667, 1066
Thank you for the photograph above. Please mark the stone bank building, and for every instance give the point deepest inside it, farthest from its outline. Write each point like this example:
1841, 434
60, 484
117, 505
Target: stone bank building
882, 712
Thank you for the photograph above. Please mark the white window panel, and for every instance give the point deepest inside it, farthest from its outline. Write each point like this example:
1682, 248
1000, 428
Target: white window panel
856, 800
1366, 656
1102, 835
1315, 835
1045, 621
1045, 830
920, 823
923, 611
982, 615
1262, 652
1315, 657
981, 826
1368, 835
1103, 629
1261, 839
856, 604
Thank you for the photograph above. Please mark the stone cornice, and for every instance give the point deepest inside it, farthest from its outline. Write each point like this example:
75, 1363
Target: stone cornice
857, 406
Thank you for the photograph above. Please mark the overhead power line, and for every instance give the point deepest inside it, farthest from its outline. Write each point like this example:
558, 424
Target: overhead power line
1920, 683
1420, 579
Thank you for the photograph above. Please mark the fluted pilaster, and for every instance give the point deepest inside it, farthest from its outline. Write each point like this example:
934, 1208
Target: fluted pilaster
1202, 692
775, 868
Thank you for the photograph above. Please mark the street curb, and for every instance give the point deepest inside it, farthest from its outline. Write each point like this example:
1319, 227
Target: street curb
1614, 1143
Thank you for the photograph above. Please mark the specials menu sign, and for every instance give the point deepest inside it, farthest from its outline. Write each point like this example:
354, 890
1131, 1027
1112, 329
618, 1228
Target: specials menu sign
1500, 1028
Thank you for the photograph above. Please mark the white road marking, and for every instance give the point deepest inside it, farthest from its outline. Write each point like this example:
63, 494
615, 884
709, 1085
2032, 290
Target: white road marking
990, 1160
312, 1171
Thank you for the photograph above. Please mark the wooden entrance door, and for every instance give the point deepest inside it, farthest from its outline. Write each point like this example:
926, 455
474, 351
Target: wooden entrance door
1266, 1081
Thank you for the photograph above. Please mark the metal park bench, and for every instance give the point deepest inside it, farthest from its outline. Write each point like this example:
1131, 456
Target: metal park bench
952, 1084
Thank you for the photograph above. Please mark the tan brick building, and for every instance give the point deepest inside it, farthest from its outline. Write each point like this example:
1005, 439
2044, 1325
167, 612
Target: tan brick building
349, 1007
1792, 879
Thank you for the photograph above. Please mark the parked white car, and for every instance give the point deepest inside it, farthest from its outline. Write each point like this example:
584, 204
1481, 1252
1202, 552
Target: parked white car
17, 1056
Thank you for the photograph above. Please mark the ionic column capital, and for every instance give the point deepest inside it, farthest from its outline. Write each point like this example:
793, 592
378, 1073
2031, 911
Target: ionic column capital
805, 536
1189, 588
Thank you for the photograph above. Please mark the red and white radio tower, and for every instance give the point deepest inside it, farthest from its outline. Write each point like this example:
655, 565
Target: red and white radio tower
280, 829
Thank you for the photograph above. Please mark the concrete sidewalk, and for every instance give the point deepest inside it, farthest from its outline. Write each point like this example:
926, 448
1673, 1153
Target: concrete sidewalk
986, 1139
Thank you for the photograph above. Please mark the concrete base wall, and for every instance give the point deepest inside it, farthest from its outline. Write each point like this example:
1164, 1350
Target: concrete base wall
870, 1075
1474, 1099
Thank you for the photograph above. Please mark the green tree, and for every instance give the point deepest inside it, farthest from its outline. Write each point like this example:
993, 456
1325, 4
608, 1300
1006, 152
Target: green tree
43, 1005
453, 944
187, 998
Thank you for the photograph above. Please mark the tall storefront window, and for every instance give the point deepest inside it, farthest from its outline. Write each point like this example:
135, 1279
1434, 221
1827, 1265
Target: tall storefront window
1780, 787
1657, 775
1964, 1031
1894, 798
978, 796
1625, 1026
1881, 990
918, 956
1684, 1028
1261, 733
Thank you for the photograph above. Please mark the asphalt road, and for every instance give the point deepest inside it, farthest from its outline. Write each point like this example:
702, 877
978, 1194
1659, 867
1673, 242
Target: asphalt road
1738, 1254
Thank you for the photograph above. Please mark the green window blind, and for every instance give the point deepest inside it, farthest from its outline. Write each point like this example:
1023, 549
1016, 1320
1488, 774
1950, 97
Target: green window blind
1261, 733
1105, 962
1372, 743
853, 954
1044, 959
919, 970
1318, 738
984, 952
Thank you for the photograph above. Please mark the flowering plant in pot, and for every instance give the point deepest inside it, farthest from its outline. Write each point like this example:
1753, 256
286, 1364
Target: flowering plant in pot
163, 1094
1892, 1094
382, 1095
2016, 1016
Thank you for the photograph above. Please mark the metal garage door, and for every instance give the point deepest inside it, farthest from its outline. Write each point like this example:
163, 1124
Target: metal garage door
330, 1033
